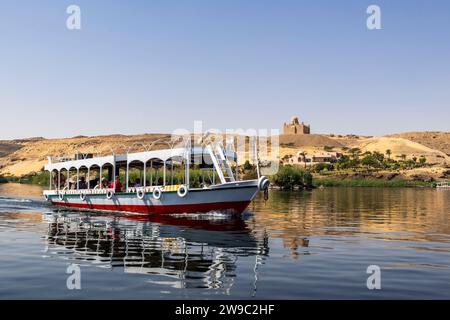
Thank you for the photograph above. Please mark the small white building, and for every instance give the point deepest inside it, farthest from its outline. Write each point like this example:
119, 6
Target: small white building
305, 159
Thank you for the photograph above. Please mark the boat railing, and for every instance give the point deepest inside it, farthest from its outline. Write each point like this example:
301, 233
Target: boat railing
79, 191
165, 188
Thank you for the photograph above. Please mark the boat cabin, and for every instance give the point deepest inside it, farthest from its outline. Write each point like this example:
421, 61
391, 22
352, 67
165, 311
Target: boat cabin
167, 169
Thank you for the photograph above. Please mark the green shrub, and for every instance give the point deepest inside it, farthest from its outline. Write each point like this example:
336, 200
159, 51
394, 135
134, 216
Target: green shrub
41, 178
289, 177
323, 166
248, 165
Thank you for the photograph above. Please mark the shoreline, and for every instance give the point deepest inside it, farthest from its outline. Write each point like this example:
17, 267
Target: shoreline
370, 183
317, 182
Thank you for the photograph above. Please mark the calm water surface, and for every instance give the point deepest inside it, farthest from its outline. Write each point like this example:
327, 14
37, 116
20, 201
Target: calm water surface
314, 245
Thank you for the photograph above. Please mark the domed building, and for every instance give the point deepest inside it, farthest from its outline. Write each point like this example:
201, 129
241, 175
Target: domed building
295, 127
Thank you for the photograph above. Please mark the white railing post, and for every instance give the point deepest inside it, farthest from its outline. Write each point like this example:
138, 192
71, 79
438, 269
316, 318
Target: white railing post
237, 168
151, 173
100, 178
114, 175
164, 173
126, 176
78, 178
89, 178
144, 184
188, 160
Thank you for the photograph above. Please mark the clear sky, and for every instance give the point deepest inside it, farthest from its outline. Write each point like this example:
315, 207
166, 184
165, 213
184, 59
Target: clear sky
154, 66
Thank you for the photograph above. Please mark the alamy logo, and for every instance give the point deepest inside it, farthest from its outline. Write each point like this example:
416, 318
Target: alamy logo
74, 280
374, 20
251, 144
374, 280
73, 21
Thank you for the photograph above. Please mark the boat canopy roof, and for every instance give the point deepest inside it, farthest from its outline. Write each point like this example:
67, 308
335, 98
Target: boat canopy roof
158, 155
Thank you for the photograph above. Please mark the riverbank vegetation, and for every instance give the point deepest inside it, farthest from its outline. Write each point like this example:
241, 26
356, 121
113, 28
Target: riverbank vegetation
352, 169
375, 161
41, 178
290, 178
370, 169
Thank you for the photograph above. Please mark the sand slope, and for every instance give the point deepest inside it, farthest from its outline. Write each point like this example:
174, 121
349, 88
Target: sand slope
432, 139
310, 140
399, 146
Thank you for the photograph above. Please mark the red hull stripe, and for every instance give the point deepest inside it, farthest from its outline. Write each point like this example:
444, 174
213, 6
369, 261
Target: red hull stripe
236, 207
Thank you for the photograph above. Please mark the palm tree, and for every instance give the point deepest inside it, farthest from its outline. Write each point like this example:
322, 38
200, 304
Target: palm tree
389, 152
355, 152
303, 154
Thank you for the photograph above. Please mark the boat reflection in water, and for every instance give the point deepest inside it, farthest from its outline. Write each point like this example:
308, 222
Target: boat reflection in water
188, 251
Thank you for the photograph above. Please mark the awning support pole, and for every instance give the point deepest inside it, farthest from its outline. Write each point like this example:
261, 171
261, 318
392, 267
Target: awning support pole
100, 178
89, 178
151, 173
145, 174
164, 173
126, 175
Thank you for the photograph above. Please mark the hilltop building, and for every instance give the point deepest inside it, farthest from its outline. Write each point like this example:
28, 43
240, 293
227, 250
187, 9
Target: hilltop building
294, 127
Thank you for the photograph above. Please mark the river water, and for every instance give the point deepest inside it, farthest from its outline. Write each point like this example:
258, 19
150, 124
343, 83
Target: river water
312, 245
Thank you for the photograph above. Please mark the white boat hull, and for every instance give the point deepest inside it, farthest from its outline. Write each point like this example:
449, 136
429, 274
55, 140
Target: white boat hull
230, 197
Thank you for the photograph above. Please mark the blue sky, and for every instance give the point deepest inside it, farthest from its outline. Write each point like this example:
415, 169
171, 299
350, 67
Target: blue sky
154, 66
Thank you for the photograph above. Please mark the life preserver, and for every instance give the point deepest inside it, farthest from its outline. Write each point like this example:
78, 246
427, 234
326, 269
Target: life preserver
182, 191
140, 193
109, 194
263, 183
83, 196
157, 193
61, 196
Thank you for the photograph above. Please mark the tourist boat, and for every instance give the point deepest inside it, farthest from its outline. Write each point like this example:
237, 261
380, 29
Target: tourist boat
443, 185
164, 185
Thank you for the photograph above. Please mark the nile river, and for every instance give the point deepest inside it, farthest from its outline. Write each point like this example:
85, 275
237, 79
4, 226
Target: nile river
313, 245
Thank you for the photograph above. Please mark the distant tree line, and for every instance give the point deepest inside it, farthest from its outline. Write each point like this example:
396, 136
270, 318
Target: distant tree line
355, 159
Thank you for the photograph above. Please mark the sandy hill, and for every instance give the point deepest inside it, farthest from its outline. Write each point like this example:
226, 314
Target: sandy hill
432, 139
434, 144
399, 146
309, 140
